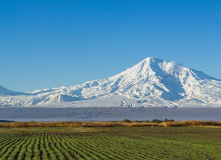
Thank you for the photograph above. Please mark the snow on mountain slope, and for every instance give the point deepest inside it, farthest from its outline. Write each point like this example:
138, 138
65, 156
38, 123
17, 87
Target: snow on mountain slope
151, 83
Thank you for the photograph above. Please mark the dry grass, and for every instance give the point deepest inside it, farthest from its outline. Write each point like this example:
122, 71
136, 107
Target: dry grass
190, 123
76, 124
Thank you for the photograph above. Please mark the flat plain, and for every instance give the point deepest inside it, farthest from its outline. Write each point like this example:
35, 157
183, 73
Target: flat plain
108, 113
111, 143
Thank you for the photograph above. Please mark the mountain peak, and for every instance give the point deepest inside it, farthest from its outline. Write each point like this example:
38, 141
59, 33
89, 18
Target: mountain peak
153, 82
153, 59
150, 67
5, 91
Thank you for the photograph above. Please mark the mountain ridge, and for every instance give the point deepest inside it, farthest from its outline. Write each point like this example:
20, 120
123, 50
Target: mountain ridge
152, 82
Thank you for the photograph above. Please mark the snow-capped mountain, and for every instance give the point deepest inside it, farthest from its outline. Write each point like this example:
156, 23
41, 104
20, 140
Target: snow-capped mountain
151, 83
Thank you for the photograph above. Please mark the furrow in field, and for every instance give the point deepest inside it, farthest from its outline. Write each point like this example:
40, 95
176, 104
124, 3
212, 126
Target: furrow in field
16, 149
50, 150
63, 148
80, 141
23, 151
6, 150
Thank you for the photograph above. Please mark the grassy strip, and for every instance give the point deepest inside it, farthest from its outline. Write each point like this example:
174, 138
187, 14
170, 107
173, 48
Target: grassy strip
76, 124
190, 123
125, 123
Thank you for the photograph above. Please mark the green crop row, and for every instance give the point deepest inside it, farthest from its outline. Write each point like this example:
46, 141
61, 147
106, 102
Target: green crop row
119, 143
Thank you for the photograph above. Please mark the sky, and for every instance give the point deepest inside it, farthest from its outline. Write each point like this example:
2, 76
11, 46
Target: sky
54, 43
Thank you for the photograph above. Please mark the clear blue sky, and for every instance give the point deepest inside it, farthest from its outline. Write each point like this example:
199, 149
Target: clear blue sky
53, 43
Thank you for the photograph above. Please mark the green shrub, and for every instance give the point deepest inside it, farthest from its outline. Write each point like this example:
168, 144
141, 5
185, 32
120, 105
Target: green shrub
126, 121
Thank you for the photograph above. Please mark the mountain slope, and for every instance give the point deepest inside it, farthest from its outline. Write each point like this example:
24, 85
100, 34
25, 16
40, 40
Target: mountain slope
151, 83
4, 91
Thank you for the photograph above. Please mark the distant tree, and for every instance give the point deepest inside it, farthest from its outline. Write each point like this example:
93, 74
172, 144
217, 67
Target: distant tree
168, 120
126, 120
156, 121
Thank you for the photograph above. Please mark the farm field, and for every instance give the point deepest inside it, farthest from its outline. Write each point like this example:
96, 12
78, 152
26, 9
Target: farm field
111, 143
